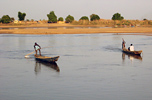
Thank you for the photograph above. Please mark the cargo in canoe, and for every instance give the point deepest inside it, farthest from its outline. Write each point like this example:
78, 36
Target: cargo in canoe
132, 52
46, 59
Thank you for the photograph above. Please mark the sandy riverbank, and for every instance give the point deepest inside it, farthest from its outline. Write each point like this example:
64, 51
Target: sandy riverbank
60, 29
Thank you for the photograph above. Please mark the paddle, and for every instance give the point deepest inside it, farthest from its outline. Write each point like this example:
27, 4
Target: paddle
27, 56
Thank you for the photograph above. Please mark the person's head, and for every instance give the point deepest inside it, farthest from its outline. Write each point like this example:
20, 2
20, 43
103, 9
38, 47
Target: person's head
35, 43
131, 44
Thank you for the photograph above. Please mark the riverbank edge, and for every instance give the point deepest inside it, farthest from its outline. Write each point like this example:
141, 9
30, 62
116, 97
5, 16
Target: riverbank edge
60, 29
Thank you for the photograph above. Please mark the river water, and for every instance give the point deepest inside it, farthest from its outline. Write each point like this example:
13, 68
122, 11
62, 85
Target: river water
90, 67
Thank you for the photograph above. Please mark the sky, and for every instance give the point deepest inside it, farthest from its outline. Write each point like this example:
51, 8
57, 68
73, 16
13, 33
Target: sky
105, 9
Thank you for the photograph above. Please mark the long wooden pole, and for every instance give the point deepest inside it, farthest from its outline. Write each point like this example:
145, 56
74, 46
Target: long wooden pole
27, 56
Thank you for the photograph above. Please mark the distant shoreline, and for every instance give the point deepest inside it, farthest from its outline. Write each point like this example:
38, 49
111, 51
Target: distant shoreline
48, 29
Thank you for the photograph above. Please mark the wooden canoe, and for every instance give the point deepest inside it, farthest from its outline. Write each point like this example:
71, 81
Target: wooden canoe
46, 59
132, 52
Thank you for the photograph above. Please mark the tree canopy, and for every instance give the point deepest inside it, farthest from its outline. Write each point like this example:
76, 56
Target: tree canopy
60, 19
5, 19
94, 17
84, 18
52, 17
21, 16
117, 16
69, 19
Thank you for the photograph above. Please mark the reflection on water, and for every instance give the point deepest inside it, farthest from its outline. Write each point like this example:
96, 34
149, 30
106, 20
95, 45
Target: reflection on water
131, 57
38, 65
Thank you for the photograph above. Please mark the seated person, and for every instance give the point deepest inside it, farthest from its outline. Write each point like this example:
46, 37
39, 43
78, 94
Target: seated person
131, 48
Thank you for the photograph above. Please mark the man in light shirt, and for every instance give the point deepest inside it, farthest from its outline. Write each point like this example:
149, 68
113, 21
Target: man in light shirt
37, 48
131, 48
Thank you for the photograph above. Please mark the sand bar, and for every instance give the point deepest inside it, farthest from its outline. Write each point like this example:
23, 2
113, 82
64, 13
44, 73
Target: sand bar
37, 29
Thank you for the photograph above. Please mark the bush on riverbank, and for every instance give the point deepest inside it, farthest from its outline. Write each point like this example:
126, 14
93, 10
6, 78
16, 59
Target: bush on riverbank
115, 23
101, 23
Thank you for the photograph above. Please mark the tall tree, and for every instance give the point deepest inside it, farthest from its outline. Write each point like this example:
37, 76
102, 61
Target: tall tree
69, 19
117, 16
21, 16
94, 17
52, 17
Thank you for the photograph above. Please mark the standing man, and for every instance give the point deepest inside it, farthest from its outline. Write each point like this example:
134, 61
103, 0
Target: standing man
123, 43
37, 47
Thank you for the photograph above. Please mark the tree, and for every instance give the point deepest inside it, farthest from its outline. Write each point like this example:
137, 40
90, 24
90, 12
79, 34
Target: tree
5, 19
117, 16
21, 16
84, 18
69, 19
61, 19
94, 17
12, 19
144, 19
52, 18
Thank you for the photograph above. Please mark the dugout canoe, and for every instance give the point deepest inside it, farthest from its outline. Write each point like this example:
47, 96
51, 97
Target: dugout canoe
132, 52
46, 59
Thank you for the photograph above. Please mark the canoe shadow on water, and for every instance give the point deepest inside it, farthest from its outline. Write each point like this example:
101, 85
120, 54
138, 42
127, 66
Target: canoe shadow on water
38, 65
